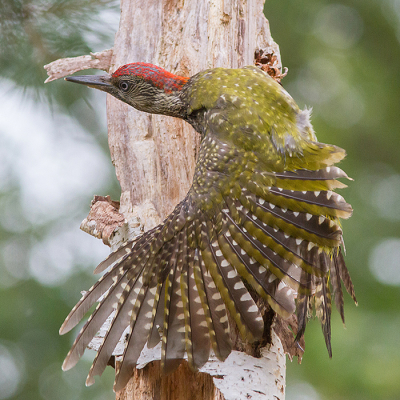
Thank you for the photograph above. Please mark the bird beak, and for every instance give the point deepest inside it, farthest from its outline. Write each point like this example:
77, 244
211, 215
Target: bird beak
101, 82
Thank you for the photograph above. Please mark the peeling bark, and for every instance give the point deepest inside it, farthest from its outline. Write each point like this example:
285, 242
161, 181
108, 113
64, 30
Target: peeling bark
104, 219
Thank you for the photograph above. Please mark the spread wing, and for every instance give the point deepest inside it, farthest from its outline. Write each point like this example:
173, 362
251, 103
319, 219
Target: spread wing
177, 282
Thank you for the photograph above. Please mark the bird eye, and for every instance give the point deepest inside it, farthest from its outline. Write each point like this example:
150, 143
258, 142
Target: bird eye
124, 86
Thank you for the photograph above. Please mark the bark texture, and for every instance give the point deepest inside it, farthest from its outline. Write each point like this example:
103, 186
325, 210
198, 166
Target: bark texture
147, 383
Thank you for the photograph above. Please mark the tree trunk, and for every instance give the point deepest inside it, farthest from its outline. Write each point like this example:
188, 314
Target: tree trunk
154, 158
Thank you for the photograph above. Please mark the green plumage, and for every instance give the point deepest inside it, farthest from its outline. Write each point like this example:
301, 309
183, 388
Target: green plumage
261, 213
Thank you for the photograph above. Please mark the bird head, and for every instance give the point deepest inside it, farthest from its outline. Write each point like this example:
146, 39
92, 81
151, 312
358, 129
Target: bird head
145, 87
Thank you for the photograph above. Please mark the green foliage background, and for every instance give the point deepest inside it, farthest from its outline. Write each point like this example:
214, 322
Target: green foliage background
343, 59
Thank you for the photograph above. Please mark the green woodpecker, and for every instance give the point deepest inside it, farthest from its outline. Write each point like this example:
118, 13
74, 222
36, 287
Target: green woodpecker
261, 215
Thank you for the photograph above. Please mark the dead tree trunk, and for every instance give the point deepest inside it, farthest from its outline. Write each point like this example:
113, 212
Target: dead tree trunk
154, 158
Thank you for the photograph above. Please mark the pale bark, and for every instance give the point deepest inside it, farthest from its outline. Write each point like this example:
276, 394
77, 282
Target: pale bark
68, 66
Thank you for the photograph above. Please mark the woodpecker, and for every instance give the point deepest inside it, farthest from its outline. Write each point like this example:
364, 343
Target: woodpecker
261, 215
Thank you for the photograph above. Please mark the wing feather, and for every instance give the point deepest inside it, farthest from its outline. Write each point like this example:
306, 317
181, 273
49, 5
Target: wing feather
256, 218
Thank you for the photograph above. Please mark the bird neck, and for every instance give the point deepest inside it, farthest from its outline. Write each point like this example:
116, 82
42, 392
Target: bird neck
171, 104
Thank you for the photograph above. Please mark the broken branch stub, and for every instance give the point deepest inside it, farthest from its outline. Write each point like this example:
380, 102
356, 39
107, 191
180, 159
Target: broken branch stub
68, 66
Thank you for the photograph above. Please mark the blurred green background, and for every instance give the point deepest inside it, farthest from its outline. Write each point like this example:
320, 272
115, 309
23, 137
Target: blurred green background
344, 61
